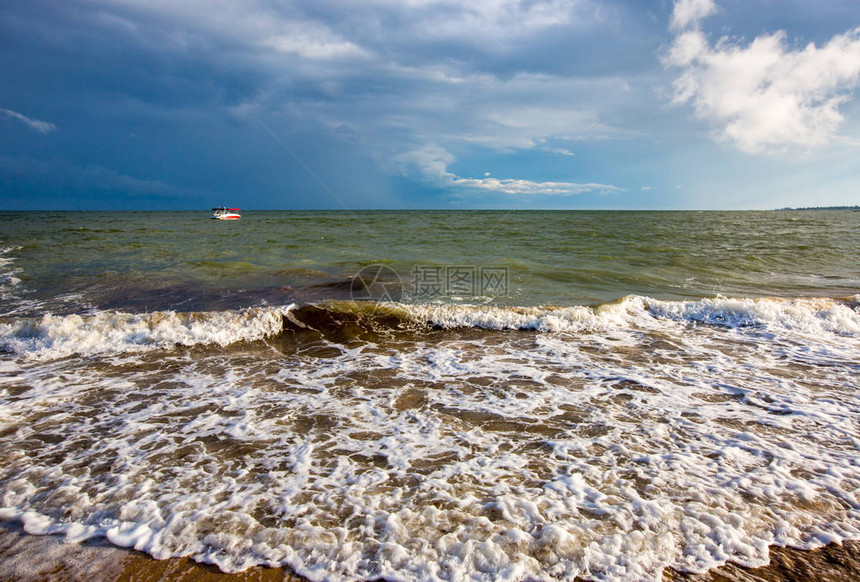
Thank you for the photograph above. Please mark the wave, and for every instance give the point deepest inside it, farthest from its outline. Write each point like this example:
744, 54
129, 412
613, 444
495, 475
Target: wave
812, 315
107, 332
8, 269
113, 332
13, 295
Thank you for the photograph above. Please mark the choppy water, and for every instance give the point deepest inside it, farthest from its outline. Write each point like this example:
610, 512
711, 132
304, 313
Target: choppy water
543, 395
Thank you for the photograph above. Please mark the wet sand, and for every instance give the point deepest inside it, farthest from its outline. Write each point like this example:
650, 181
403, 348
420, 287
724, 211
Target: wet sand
833, 563
26, 558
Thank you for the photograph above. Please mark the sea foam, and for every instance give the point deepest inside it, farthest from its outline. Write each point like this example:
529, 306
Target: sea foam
609, 444
114, 332
809, 314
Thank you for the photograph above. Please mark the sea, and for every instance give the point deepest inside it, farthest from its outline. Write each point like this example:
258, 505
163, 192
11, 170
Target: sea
433, 395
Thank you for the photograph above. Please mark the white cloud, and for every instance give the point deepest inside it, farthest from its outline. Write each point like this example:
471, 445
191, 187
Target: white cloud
498, 19
528, 187
34, 124
321, 31
688, 12
559, 151
763, 96
432, 161
255, 29
312, 40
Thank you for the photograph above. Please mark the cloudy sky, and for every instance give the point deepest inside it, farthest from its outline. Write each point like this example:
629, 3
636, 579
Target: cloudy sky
184, 104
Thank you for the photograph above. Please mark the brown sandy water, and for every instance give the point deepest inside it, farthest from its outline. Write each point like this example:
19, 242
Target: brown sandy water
25, 558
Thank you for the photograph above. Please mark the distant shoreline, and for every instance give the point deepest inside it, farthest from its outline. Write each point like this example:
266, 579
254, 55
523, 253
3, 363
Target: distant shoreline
807, 208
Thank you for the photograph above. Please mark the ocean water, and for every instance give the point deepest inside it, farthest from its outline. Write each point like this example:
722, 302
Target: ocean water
434, 395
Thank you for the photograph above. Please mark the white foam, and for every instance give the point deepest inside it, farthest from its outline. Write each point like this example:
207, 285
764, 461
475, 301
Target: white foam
624, 439
577, 318
811, 315
103, 332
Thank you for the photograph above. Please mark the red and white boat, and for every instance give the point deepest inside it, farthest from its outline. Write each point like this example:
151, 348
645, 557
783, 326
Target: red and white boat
224, 213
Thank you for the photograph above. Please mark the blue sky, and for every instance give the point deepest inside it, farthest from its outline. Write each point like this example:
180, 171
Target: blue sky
187, 104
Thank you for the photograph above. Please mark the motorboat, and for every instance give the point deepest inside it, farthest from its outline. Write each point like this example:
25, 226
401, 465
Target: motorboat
224, 213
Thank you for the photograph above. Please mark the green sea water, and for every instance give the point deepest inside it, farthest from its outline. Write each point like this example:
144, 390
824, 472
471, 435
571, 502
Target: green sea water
184, 260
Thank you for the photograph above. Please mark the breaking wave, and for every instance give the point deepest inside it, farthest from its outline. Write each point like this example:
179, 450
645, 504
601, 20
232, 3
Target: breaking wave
105, 332
811, 315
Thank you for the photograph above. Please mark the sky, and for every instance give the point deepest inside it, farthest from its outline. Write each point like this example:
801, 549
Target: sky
354, 104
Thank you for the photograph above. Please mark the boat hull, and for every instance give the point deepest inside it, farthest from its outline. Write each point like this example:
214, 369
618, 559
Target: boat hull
224, 213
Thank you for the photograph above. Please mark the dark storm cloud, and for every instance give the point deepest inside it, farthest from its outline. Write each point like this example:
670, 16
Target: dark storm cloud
347, 103
142, 85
